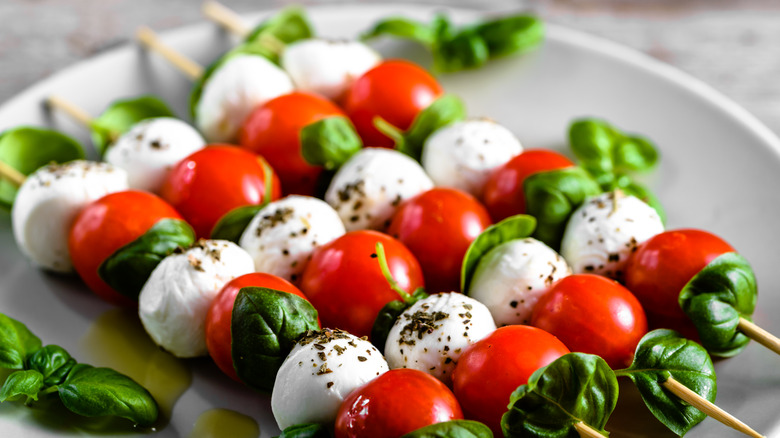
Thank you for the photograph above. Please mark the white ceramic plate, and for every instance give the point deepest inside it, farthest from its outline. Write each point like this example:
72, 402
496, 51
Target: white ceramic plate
720, 171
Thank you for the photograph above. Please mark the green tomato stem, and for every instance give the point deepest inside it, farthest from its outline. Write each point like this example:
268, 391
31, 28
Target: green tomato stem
382, 258
389, 130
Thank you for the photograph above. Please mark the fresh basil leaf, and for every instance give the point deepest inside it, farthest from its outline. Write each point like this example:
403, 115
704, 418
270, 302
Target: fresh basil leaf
510, 35
130, 266
121, 115
264, 328
329, 142
662, 354
445, 110
402, 28
232, 225
53, 362
467, 50
631, 188
287, 26
307, 430
16, 343
606, 150
27, 148
452, 429
95, 392
716, 298
386, 317
551, 197
25, 383
511, 228
576, 387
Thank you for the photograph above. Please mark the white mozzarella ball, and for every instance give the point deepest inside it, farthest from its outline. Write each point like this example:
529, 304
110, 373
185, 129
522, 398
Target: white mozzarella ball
174, 301
605, 230
320, 371
282, 236
368, 188
150, 149
49, 201
239, 86
511, 278
431, 335
327, 67
464, 154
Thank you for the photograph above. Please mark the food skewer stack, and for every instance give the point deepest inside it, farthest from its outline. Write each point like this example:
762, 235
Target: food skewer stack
410, 187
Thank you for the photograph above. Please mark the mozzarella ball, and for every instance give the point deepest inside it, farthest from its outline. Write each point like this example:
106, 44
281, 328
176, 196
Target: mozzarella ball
150, 149
320, 371
174, 301
240, 85
369, 187
430, 335
464, 154
511, 278
605, 230
48, 202
282, 236
327, 67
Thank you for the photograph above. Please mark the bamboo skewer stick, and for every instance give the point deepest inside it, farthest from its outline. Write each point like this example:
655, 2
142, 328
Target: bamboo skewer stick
75, 112
149, 39
226, 18
709, 408
586, 431
759, 335
11, 175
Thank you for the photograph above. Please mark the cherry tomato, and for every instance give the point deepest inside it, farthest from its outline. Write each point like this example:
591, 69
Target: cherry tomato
504, 195
212, 181
396, 91
220, 315
274, 131
108, 224
661, 266
396, 403
438, 226
491, 369
595, 315
345, 284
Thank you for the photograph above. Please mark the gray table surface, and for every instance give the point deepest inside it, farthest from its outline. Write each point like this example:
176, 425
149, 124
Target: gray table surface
733, 45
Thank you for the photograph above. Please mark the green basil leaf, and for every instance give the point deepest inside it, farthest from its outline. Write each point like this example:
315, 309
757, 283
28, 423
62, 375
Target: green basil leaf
130, 266
16, 343
662, 354
386, 317
307, 430
510, 35
634, 153
26, 383
53, 362
121, 115
467, 50
329, 142
232, 225
443, 111
575, 388
452, 429
511, 228
551, 197
716, 298
287, 26
632, 188
27, 148
604, 149
402, 28
95, 392
264, 328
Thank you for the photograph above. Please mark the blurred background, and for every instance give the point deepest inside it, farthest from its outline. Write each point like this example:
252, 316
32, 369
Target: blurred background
733, 45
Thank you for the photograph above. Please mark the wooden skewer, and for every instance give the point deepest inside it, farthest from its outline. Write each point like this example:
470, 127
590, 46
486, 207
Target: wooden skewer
75, 112
12, 175
759, 335
586, 431
149, 39
226, 18
708, 407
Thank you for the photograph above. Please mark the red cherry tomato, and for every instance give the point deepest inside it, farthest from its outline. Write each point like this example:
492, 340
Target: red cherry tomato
438, 226
345, 284
108, 224
595, 315
661, 266
212, 181
491, 369
396, 403
274, 131
396, 91
504, 195
220, 315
